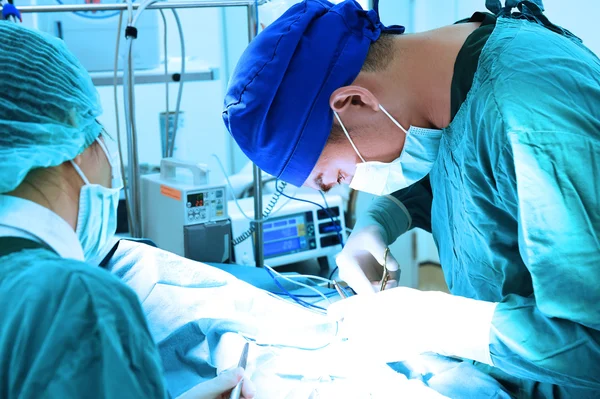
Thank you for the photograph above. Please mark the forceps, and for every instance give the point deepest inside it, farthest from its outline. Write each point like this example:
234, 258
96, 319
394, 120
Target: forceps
384, 279
386, 273
237, 391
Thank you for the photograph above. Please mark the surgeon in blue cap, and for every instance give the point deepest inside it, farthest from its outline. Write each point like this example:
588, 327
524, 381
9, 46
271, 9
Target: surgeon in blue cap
485, 133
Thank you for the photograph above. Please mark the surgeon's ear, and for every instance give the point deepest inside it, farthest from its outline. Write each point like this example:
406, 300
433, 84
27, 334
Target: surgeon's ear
348, 97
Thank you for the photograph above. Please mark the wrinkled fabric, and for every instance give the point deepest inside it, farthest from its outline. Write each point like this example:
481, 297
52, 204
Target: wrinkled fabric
193, 309
514, 211
70, 330
48, 104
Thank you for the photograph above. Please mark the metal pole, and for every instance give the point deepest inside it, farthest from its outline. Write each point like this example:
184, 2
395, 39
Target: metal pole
259, 257
123, 6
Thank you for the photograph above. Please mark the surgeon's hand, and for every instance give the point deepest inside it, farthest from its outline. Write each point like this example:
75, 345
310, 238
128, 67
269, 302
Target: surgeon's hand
402, 322
361, 260
220, 387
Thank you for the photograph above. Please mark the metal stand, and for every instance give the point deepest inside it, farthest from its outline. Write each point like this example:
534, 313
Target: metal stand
251, 6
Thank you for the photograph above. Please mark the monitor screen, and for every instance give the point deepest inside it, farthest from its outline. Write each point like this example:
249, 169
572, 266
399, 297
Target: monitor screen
196, 199
285, 235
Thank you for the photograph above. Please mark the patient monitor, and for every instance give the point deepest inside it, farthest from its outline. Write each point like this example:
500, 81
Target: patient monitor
294, 232
183, 213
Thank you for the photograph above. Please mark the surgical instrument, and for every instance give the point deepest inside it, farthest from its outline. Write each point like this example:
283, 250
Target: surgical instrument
339, 290
237, 391
386, 274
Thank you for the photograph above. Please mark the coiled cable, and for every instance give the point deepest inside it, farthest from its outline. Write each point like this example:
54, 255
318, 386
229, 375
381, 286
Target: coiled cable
279, 187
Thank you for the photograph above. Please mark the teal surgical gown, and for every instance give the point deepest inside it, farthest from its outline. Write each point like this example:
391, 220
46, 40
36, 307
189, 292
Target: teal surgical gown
71, 330
513, 202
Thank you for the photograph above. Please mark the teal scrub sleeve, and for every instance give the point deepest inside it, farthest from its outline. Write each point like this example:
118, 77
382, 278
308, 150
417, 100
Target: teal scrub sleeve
399, 212
76, 332
554, 335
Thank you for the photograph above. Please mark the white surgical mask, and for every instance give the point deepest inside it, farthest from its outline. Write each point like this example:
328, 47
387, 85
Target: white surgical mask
420, 151
97, 218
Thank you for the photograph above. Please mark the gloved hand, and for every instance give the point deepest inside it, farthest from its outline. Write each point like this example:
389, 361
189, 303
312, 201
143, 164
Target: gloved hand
361, 260
220, 387
402, 322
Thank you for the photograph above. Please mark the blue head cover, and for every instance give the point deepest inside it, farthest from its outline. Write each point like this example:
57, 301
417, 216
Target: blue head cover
48, 104
277, 105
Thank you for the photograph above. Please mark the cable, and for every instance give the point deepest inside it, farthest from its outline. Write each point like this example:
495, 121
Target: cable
297, 283
129, 11
181, 79
129, 104
308, 276
232, 195
333, 272
338, 229
281, 346
338, 225
166, 52
332, 221
328, 294
336, 266
266, 212
118, 124
140, 10
295, 298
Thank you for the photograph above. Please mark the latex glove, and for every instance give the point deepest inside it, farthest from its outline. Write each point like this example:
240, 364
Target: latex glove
220, 387
399, 323
361, 260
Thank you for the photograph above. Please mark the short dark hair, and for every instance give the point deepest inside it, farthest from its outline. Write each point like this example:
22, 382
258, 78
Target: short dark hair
380, 54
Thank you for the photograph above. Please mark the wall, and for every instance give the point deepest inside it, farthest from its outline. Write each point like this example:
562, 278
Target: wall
202, 133
578, 16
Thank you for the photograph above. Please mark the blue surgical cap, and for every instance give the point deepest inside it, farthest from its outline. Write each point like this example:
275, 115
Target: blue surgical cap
48, 104
277, 105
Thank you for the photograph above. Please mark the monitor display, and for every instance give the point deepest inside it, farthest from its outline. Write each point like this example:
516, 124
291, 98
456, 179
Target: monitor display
286, 235
196, 199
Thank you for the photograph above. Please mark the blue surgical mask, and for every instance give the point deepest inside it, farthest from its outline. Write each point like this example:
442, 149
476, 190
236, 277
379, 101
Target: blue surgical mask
97, 218
421, 147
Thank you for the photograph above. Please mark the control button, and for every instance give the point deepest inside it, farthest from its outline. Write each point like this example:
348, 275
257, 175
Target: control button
220, 194
190, 212
313, 244
189, 204
219, 213
197, 217
219, 202
190, 218
196, 211
203, 215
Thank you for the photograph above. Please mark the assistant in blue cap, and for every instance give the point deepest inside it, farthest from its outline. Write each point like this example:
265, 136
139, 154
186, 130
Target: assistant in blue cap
277, 106
485, 133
